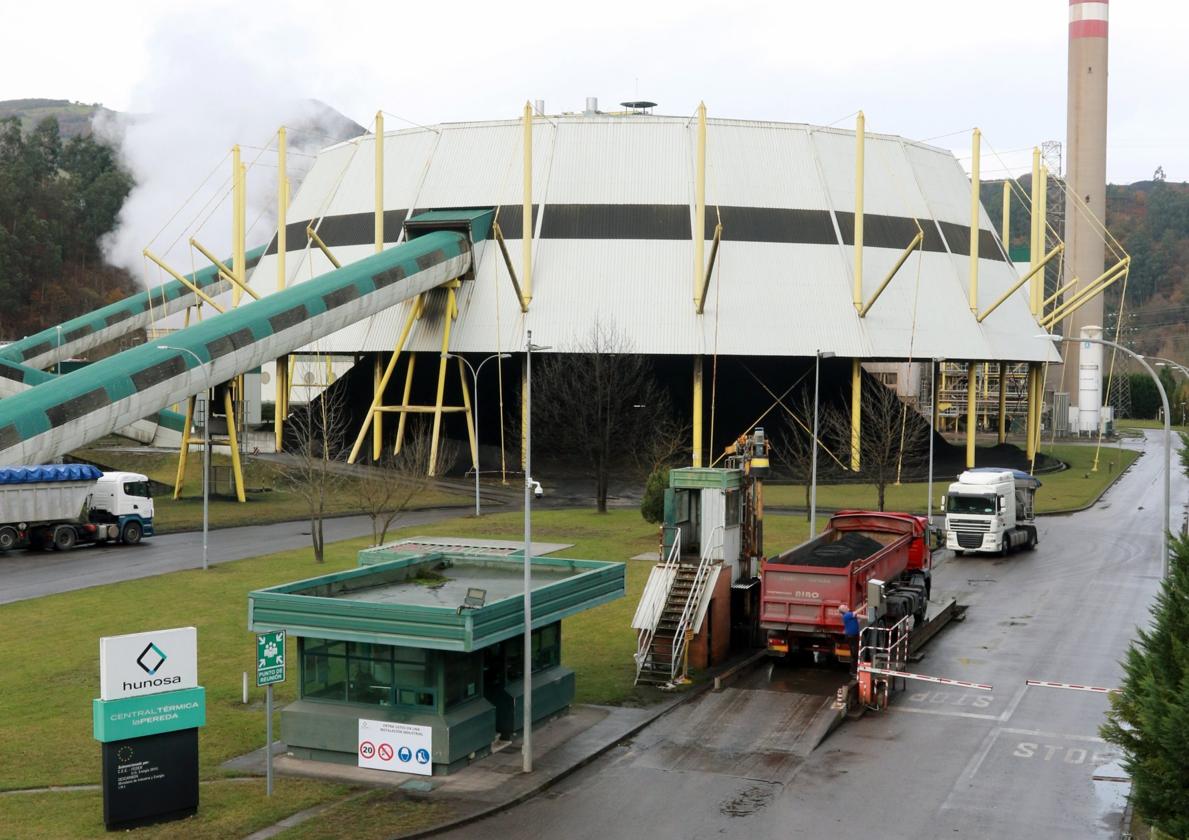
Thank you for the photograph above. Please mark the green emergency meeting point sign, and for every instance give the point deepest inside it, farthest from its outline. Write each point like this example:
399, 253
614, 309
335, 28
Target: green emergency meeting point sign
270, 657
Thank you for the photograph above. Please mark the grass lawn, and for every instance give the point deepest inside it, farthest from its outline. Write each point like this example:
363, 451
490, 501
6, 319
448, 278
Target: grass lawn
228, 808
50, 646
268, 500
1130, 423
1066, 490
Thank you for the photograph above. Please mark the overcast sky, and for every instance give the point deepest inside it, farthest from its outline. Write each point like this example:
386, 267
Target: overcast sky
921, 68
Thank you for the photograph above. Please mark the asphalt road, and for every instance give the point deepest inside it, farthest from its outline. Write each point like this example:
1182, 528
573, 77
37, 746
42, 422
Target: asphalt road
943, 762
32, 574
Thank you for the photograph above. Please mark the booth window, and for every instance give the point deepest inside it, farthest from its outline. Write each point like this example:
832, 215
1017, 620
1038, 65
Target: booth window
464, 674
370, 674
733, 514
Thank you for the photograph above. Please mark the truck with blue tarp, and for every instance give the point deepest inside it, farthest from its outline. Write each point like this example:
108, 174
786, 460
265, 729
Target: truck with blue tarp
61, 505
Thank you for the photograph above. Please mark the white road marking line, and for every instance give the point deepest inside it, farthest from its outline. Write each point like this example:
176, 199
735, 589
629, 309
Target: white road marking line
1013, 703
1036, 733
971, 769
942, 713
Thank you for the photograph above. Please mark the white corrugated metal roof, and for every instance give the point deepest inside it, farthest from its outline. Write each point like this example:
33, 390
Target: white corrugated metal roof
769, 296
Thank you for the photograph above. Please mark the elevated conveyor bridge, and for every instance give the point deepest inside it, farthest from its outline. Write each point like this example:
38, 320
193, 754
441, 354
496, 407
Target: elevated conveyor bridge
67, 412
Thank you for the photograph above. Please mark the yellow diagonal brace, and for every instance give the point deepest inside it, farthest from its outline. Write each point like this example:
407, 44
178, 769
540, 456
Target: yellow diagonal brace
1051, 299
710, 266
912, 246
378, 394
317, 240
1100, 284
1016, 286
499, 238
183, 280
223, 269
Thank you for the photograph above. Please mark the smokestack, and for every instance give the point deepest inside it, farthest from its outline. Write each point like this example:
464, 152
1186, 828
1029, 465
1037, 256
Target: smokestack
1085, 144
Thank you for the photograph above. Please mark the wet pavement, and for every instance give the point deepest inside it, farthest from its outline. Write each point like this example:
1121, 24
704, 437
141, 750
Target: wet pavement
943, 761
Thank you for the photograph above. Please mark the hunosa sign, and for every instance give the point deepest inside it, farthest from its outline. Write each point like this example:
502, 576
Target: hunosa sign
148, 663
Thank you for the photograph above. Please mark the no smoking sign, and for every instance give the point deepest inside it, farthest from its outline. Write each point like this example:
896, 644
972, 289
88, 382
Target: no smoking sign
385, 752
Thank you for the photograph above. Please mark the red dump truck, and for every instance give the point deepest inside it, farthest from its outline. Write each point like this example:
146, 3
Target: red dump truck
802, 588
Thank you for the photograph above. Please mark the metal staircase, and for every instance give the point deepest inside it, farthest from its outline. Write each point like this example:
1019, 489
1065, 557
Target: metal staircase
661, 648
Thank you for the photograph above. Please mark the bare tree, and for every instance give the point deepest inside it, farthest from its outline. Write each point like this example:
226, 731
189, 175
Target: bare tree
599, 399
892, 437
385, 490
795, 448
315, 442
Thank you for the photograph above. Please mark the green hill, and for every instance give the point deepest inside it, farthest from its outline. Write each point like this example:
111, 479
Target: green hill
74, 118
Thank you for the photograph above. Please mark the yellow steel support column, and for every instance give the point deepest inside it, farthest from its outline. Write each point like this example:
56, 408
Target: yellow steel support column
697, 413
233, 441
1042, 237
404, 400
379, 220
373, 412
378, 400
451, 311
1034, 247
184, 453
986, 386
700, 212
975, 206
526, 222
239, 206
280, 403
856, 415
1040, 404
1030, 427
1005, 229
466, 404
1003, 402
971, 412
860, 145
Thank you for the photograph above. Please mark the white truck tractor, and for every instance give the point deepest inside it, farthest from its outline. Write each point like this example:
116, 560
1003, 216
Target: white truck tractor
991, 510
61, 505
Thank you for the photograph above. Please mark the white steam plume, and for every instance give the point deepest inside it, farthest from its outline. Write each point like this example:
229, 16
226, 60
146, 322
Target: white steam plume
208, 87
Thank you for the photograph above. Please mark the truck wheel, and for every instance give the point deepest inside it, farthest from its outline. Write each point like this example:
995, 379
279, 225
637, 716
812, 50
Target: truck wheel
1032, 541
132, 532
8, 538
64, 538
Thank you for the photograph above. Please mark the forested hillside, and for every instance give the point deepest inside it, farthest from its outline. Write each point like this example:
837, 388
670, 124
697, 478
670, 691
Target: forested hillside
1151, 221
56, 200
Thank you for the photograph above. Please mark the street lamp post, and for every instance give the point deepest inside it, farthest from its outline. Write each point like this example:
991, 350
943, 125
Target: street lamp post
475, 408
1167, 431
206, 457
527, 751
818, 355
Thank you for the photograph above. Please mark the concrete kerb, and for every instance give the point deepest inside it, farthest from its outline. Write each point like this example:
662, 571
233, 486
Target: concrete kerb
697, 690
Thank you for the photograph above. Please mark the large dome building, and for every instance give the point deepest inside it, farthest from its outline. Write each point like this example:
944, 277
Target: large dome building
615, 209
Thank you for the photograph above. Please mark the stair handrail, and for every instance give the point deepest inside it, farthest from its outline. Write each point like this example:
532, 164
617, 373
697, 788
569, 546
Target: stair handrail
694, 598
655, 609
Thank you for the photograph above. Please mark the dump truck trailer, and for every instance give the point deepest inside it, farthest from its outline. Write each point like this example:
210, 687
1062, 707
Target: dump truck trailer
61, 505
858, 553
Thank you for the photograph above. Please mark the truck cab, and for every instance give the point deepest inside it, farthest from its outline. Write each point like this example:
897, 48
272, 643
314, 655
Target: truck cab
991, 510
125, 500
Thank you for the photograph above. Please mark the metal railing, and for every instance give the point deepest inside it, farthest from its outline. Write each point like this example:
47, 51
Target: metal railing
654, 606
680, 642
884, 648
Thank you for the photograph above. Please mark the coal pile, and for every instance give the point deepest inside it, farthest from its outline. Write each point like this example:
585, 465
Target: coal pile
845, 550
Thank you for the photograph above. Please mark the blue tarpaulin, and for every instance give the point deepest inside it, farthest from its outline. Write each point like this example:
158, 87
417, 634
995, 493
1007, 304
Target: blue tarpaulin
49, 472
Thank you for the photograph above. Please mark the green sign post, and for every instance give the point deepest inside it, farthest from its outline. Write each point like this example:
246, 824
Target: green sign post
270, 658
270, 668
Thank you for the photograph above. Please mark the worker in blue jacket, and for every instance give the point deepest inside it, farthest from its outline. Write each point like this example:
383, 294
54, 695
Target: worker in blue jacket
850, 626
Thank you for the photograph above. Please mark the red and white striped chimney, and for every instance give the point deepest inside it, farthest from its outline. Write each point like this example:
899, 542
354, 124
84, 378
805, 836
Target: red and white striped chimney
1085, 149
